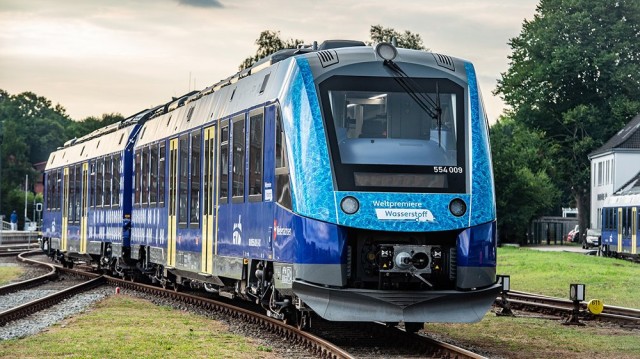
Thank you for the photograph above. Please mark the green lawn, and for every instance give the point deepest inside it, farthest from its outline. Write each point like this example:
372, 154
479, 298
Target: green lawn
9, 273
126, 327
614, 281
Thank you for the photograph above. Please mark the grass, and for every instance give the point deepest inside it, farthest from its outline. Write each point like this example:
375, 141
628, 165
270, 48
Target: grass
126, 327
9, 273
614, 281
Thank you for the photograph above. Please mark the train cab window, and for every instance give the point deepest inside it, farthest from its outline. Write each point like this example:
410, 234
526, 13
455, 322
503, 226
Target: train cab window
161, 173
183, 179
223, 185
384, 136
283, 193
238, 159
194, 210
108, 172
115, 180
99, 182
137, 192
256, 143
153, 177
144, 176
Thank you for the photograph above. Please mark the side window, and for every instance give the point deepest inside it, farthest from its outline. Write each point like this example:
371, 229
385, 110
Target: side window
238, 150
144, 167
78, 194
72, 192
58, 190
223, 186
194, 210
92, 184
137, 193
107, 181
283, 193
99, 182
256, 143
161, 173
115, 180
183, 179
153, 179
49, 196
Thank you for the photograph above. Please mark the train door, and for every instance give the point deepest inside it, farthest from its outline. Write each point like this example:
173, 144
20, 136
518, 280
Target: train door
626, 230
173, 204
634, 231
85, 207
65, 210
620, 230
208, 198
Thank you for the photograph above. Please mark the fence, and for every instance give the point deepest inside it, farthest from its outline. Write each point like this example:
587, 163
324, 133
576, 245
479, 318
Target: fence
550, 230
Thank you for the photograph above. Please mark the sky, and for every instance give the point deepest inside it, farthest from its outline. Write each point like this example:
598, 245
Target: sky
122, 56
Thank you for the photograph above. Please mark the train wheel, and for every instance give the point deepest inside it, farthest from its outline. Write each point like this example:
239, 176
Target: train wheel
413, 327
304, 321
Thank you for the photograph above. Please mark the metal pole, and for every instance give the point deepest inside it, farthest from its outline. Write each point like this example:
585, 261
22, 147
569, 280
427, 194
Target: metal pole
26, 186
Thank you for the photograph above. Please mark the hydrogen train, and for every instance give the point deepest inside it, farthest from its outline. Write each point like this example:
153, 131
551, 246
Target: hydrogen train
350, 181
621, 222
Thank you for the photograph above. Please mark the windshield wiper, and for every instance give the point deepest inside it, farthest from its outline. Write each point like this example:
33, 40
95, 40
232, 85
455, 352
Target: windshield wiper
426, 103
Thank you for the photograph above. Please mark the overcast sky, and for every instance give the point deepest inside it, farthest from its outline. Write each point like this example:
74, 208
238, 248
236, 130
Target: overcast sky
122, 56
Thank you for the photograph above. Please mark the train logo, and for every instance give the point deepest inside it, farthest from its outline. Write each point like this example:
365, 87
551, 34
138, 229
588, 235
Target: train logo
237, 231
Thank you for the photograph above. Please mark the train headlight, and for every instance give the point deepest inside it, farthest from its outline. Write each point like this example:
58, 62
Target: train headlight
457, 207
349, 205
386, 51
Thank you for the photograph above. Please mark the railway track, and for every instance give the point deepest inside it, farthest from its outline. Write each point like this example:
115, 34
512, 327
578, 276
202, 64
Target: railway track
627, 317
326, 339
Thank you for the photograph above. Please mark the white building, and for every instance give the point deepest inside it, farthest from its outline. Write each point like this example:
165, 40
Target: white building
612, 166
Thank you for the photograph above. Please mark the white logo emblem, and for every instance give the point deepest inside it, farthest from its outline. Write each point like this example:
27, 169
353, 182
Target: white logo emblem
237, 231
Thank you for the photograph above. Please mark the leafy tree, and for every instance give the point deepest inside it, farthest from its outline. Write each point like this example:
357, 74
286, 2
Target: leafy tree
524, 190
407, 39
574, 74
90, 124
268, 43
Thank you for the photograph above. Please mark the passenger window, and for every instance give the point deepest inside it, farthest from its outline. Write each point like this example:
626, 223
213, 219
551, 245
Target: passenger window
237, 187
78, 195
195, 179
99, 182
107, 181
283, 193
223, 186
153, 179
92, 184
145, 176
161, 173
256, 135
115, 180
137, 194
183, 179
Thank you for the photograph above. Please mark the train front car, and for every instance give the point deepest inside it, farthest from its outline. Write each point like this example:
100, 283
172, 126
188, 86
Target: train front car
392, 198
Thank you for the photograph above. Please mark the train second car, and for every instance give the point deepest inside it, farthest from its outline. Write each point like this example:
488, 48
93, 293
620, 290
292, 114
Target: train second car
347, 180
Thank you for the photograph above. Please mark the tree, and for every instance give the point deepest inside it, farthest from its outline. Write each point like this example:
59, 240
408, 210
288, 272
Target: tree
574, 75
407, 39
524, 190
268, 43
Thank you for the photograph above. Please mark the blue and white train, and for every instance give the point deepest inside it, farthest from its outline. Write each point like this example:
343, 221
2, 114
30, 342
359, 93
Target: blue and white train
621, 222
342, 179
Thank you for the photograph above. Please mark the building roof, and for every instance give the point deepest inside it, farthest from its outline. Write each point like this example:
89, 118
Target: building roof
631, 187
628, 137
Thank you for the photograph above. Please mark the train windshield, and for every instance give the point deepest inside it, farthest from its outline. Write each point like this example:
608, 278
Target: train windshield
384, 136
